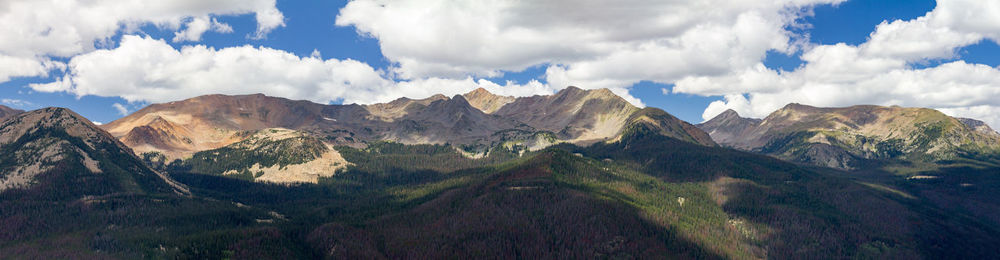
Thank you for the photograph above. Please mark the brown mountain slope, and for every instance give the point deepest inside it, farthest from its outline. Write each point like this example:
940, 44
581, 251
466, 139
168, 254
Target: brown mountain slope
728, 127
6, 111
54, 153
845, 137
476, 119
487, 102
399, 108
183, 127
577, 115
279, 155
447, 120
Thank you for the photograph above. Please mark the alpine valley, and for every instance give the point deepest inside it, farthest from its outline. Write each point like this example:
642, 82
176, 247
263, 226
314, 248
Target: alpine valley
577, 174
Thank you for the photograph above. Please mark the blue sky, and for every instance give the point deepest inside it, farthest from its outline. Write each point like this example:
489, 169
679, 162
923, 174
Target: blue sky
435, 61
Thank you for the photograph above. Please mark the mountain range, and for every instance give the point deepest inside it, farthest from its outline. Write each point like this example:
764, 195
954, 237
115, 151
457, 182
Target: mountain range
475, 120
576, 174
853, 137
476, 123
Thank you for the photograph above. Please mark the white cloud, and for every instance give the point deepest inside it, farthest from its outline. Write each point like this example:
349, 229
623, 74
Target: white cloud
590, 44
198, 26
12, 66
880, 71
16, 103
143, 69
703, 47
35, 30
121, 109
146, 69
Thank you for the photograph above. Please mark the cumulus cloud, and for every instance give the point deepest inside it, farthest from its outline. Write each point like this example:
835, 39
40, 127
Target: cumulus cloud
143, 69
198, 26
35, 30
12, 66
711, 48
590, 44
880, 71
147, 69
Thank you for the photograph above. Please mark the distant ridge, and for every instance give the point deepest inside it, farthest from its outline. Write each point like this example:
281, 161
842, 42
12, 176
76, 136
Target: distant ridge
7, 111
848, 137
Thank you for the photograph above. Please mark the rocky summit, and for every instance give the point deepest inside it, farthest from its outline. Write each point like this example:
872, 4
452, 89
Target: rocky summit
56, 153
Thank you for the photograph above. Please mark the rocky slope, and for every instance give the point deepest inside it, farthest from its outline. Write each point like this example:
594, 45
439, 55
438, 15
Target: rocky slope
179, 129
488, 102
978, 126
476, 123
437, 119
577, 115
849, 137
55, 153
272, 155
728, 128
6, 111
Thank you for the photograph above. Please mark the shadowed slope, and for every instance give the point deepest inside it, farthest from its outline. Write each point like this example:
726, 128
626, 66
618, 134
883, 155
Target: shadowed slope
54, 153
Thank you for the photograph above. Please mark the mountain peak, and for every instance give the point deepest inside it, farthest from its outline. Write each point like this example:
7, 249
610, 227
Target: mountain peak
90, 161
479, 91
63, 119
460, 98
727, 127
570, 90
486, 101
797, 106
436, 97
49, 117
729, 113
603, 93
